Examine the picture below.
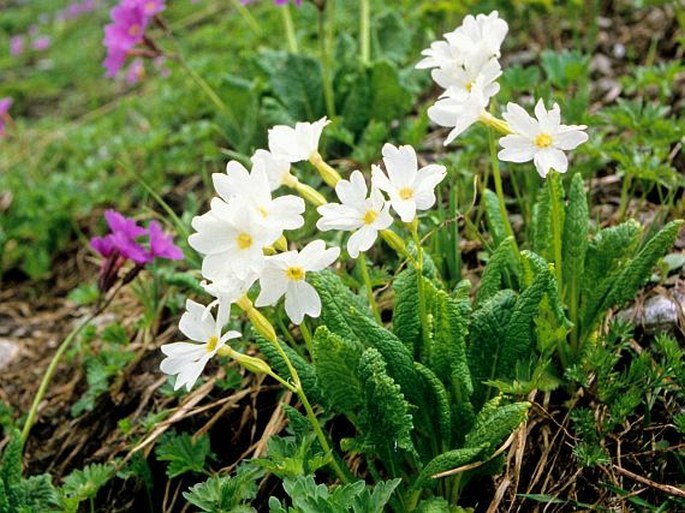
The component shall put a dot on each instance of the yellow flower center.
(211, 344)
(543, 141)
(244, 240)
(295, 273)
(134, 30)
(406, 193)
(469, 86)
(370, 216)
(263, 211)
(150, 6)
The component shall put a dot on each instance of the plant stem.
(423, 316)
(498, 186)
(247, 16)
(264, 327)
(49, 373)
(363, 268)
(556, 212)
(326, 66)
(365, 32)
(206, 88)
(307, 336)
(289, 28)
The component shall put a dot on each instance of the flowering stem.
(329, 175)
(498, 124)
(395, 242)
(47, 377)
(247, 16)
(326, 66)
(365, 31)
(307, 336)
(289, 28)
(418, 265)
(553, 183)
(498, 187)
(363, 268)
(206, 88)
(307, 192)
(264, 327)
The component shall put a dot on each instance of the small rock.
(659, 313)
(8, 351)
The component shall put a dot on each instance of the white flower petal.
(550, 158)
(361, 240)
(315, 257)
(301, 299)
(274, 284)
(401, 164)
(520, 122)
(569, 139)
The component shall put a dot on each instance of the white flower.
(285, 274)
(479, 36)
(440, 54)
(356, 213)
(543, 140)
(460, 79)
(482, 34)
(296, 144)
(232, 239)
(410, 188)
(277, 169)
(282, 213)
(187, 360)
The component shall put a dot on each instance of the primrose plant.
(421, 394)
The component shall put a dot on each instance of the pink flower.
(124, 243)
(41, 43)
(5, 105)
(129, 20)
(17, 45)
(136, 71)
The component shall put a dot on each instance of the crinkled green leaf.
(438, 405)
(496, 224)
(183, 454)
(226, 494)
(493, 425)
(501, 271)
(386, 421)
(448, 461)
(337, 361)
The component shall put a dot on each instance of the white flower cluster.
(466, 65)
(241, 234)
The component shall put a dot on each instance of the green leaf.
(496, 224)
(35, 494)
(391, 36)
(493, 425)
(342, 315)
(85, 484)
(603, 261)
(502, 270)
(448, 461)
(386, 421)
(575, 238)
(297, 83)
(305, 370)
(406, 323)
(337, 362)
(486, 334)
(519, 339)
(226, 494)
(437, 403)
(636, 273)
(183, 453)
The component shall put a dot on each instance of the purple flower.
(150, 7)
(41, 43)
(114, 61)
(5, 105)
(161, 245)
(136, 71)
(103, 245)
(16, 45)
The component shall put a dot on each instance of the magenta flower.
(129, 20)
(5, 105)
(17, 45)
(124, 243)
(136, 71)
(41, 43)
(161, 245)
